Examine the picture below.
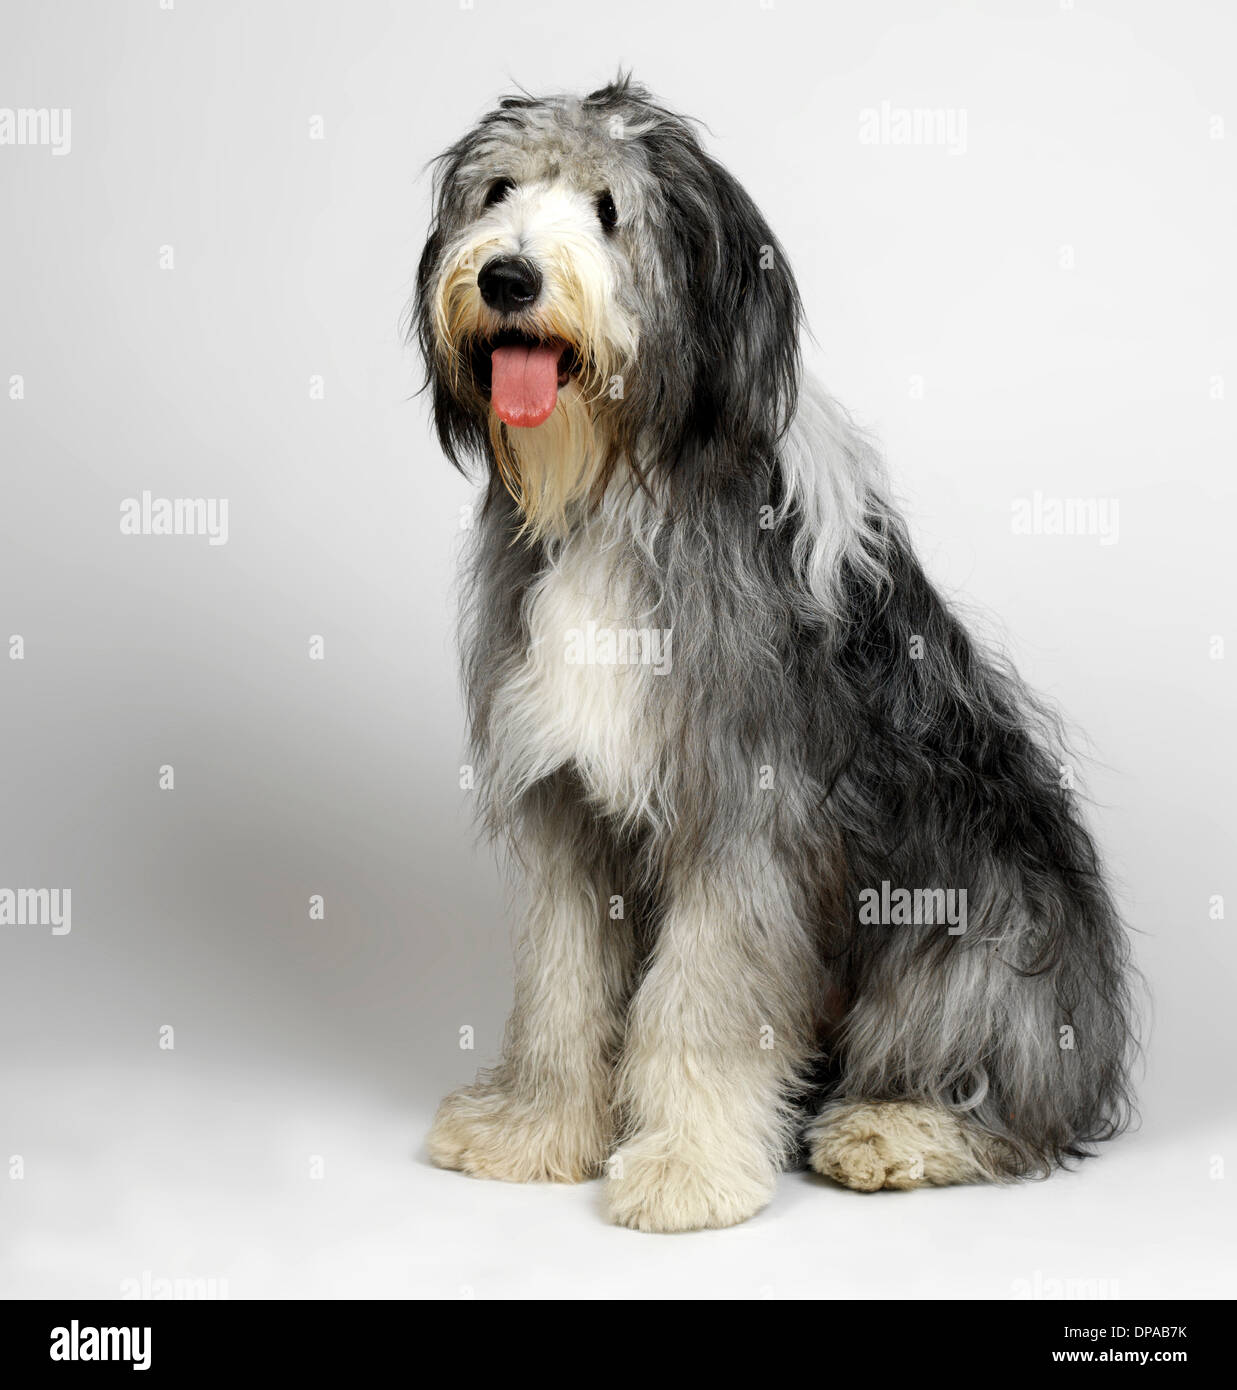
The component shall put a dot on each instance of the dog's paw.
(868, 1145)
(652, 1189)
(484, 1131)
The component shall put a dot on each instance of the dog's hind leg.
(968, 1058)
(544, 1113)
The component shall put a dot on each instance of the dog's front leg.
(718, 1033)
(544, 1113)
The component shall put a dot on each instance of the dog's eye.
(607, 213)
(497, 191)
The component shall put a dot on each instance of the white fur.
(899, 1144)
(715, 1039)
(545, 1113)
(551, 713)
(833, 479)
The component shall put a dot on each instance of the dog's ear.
(744, 320)
(459, 429)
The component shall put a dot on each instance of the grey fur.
(745, 514)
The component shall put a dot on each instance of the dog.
(804, 883)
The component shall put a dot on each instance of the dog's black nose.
(509, 283)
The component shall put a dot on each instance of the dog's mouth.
(522, 375)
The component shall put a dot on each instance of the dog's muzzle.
(524, 372)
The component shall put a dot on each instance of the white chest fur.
(583, 694)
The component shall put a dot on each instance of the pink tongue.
(524, 383)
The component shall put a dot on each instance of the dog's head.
(596, 289)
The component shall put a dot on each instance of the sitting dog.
(803, 878)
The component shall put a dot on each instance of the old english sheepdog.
(803, 880)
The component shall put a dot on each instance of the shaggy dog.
(803, 879)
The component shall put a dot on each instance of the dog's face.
(595, 288)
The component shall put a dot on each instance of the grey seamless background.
(946, 317)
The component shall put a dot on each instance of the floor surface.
(209, 1178)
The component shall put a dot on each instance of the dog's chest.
(585, 693)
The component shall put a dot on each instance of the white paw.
(484, 1131)
(652, 1189)
(899, 1144)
